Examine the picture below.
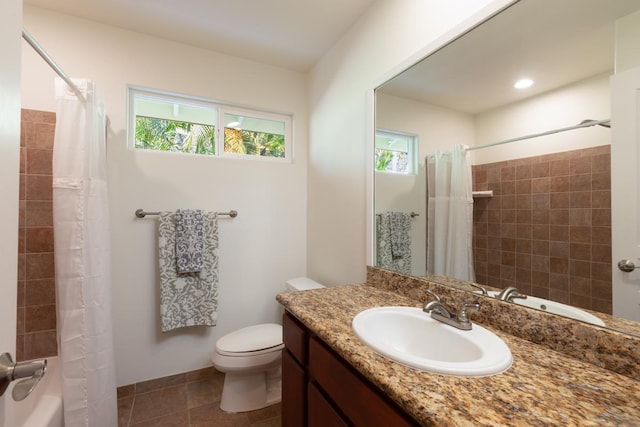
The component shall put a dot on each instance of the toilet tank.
(302, 284)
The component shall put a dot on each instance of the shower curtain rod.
(36, 46)
(583, 124)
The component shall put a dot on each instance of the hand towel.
(385, 257)
(189, 240)
(400, 223)
(189, 299)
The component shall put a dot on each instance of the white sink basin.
(556, 308)
(410, 336)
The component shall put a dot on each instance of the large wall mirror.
(539, 156)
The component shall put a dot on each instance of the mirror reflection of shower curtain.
(450, 214)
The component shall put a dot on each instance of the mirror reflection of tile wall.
(547, 229)
(36, 322)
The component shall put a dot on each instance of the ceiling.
(555, 43)
(292, 34)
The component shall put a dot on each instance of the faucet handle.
(463, 312)
(437, 307)
(516, 295)
(433, 294)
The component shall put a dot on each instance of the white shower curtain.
(450, 214)
(82, 258)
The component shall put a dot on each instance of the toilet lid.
(251, 339)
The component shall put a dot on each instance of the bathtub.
(43, 407)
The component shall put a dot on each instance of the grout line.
(133, 402)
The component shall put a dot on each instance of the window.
(175, 123)
(395, 152)
(246, 133)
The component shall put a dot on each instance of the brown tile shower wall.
(547, 229)
(36, 322)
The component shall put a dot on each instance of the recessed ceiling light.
(523, 84)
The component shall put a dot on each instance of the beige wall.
(564, 107)
(627, 46)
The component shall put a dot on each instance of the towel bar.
(412, 214)
(140, 213)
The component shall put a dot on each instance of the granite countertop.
(541, 388)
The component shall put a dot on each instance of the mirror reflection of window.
(396, 152)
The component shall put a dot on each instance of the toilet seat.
(251, 341)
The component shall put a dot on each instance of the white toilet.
(251, 360)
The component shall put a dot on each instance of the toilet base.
(248, 392)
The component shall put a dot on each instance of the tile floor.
(185, 400)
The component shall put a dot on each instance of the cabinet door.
(355, 397)
(321, 413)
(294, 392)
(295, 338)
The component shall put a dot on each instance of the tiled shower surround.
(547, 228)
(36, 322)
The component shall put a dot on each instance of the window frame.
(220, 109)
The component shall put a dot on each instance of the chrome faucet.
(481, 288)
(440, 312)
(30, 372)
(509, 294)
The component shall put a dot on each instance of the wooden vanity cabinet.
(320, 389)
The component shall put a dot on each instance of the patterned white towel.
(399, 225)
(189, 299)
(189, 240)
(386, 258)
